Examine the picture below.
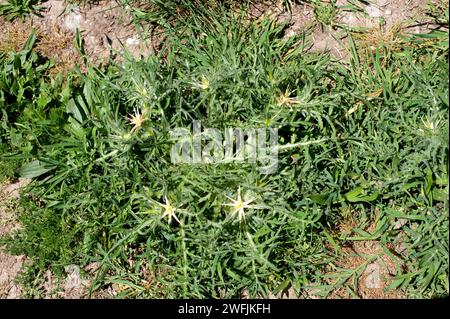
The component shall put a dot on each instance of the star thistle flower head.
(169, 211)
(204, 85)
(285, 99)
(137, 119)
(239, 206)
(430, 127)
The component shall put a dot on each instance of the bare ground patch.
(379, 16)
(105, 27)
(377, 270)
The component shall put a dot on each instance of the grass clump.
(13, 9)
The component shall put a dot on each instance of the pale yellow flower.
(137, 119)
(169, 211)
(203, 84)
(429, 126)
(239, 205)
(285, 99)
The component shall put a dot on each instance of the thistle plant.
(90, 167)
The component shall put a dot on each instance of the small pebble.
(373, 12)
(132, 41)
